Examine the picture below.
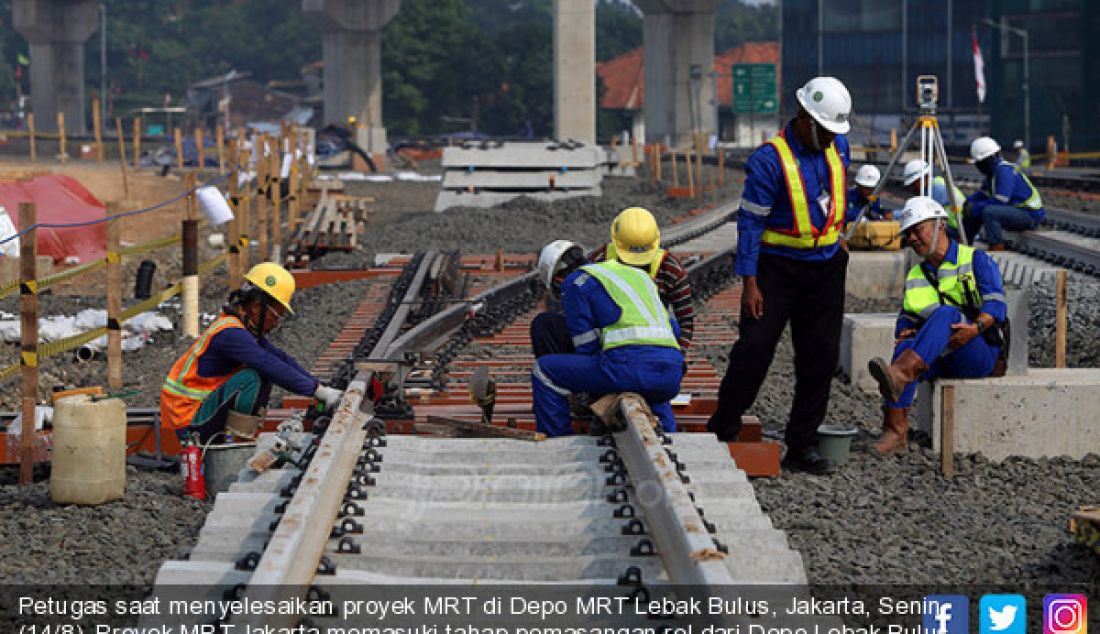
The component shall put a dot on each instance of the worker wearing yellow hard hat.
(224, 379)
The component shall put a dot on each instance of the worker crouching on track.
(635, 240)
(951, 322)
(1007, 199)
(623, 336)
(226, 374)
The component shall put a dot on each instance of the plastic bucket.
(834, 442)
(89, 450)
(222, 465)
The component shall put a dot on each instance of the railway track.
(631, 511)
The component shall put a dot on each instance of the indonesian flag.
(979, 66)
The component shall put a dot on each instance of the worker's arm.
(237, 346)
(579, 315)
(275, 350)
(990, 287)
(763, 177)
(1006, 183)
(678, 296)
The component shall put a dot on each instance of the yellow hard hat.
(352, 120)
(635, 235)
(274, 280)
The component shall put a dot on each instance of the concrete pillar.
(352, 42)
(575, 70)
(56, 31)
(679, 34)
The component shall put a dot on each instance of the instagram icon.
(1065, 614)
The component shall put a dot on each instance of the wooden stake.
(179, 149)
(137, 142)
(97, 126)
(30, 130)
(657, 156)
(675, 170)
(1060, 320)
(122, 157)
(201, 149)
(699, 163)
(947, 431)
(28, 314)
(264, 182)
(633, 152)
(691, 174)
(721, 168)
(63, 155)
(294, 203)
(276, 194)
(219, 140)
(114, 295)
(234, 228)
(244, 210)
(651, 163)
(190, 295)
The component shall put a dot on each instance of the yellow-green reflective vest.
(1033, 202)
(953, 210)
(644, 320)
(803, 234)
(955, 283)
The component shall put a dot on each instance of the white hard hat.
(918, 209)
(867, 176)
(982, 148)
(828, 102)
(1017, 144)
(913, 170)
(552, 259)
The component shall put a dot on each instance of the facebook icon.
(946, 614)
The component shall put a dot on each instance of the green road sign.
(754, 89)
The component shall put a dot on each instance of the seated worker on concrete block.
(951, 322)
(635, 240)
(916, 174)
(226, 374)
(1006, 200)
(859, 196)
(623, 337)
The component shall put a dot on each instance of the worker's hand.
(844, 243)
(905, 334)
(752, 300)
(962, 335)
(328, 395)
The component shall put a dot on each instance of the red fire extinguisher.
(194, 484)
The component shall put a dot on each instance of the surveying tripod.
(931, 147)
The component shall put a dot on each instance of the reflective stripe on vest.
(644, 320)
(654, 265)
(184, 390)
(1034, 202)
(803, 234)
(955, 281)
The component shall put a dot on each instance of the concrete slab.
(525, 155)
(863, 337)
(877, 274)
(534, 179)
(1047, 412)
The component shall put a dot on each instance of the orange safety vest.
(803, 234)
(184, 390)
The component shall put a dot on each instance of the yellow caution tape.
(8, 372)
(113, 258)
(29, 358)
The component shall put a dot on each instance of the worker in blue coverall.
(1006, 200)
(952, 318)
(623, 337)
(860, 196)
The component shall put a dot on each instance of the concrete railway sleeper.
(635, 511)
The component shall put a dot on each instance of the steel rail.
(1048, 247)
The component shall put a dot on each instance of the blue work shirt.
(589, 308)
(233, 347)
(1012, 189)
(856, 202)
(765, 201)
(990, 287)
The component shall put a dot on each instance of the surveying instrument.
(931, 151)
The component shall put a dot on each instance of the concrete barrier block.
(863, 337)
(877, 274)
(1044, 413)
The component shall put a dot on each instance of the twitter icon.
(1003, 614)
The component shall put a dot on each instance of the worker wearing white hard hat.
(952, 318)
(916, 174)
(1007, 198)
(623, 337)
(789, 256)
(1022, 157)
(860, 196)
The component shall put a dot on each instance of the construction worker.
(226, 374)
(951, 319)
(792, 268)
(1006, 200)
(860, 196)
(624, 338)
(916, 174)
(635, 240)
(1023, 157)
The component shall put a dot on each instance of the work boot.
(894, 377)
(996, 247)
(895, 431)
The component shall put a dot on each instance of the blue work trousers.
(550, 335)
(652, 372)
(974, 360)
(995, 218)
(245, 392)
